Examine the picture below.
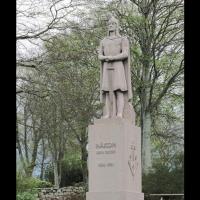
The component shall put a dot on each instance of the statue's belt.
(110, 68)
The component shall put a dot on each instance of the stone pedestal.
(114, 160)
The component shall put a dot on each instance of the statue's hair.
(113, 19)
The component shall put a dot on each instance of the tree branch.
(167, 86)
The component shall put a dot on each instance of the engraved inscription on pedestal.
(133, 159)
(107, 148)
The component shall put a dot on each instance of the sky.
(34, 16)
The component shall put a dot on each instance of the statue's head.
(113, 25)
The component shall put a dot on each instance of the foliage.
(26, 183)
(71, 171)
(164, 179)
(26, 195)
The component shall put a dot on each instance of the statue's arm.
(124, 54)
(101, 54)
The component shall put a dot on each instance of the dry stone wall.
(65, 193)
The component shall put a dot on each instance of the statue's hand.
(105, 58)
(101, 57)
(108, 58)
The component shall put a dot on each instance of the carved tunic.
(113, 77)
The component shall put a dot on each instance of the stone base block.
(114, 156)
(122, 195)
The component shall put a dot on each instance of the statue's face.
(112, 26)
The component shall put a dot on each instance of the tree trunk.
(145, 111)
(25, 135)
(146, 143)
(56, 175)
(43, 159)
(84, 163)
(32, 164)
(59, 172)
(20, 151)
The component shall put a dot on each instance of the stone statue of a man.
(115, 80)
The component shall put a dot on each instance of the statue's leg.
(107, 106)
(114, 104)
(120, 104)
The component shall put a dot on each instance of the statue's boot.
(119, 115)
(105, 117)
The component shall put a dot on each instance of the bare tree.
(29, 135)
(155, 30)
